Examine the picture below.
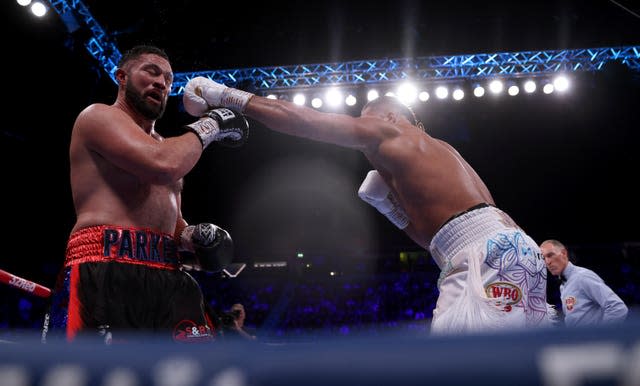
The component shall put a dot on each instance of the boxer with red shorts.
(127, 251)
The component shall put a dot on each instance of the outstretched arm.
(300, 121)
(202, 94)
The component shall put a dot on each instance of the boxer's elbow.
(163, 171)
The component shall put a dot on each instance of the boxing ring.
(607, 355)
(545, 356)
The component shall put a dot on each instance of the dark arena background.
(335, 293)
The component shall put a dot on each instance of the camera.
(229, 318)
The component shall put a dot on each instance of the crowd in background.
(296, 303)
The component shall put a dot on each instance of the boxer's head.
(384, 105)
(145, 77)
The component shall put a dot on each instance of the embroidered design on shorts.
(515, 256)
(570, 302)
(506, 294)
(188, 332)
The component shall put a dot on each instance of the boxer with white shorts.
(419, 183)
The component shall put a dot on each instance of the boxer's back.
(430, 178)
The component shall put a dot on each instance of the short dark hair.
(137, 51)
(395, 105)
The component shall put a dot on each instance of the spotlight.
(351, 100)
(24, 3)
(442, 92)
(334, 97)
(458, 94)
(496, 86)
(372, 94)
(316, 102)
(561, 83)
(478, 91)
(407, 93)
(529, 86)
(38, 9)
(299, 99)
(423, 96)
(548, 88)
(513, 90)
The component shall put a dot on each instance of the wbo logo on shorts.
(507, 294)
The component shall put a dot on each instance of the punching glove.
(211, 246)
(224, 126)
(201, 94)
(375, 192)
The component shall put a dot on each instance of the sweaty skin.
(122, 171)
(430, 179)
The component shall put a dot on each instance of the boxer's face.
(148, 85)
(555, 258)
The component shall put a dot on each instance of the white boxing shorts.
(493, 276)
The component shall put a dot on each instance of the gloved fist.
(200, 94)
(212, 246)
(225, 126)
(193, 98)
(375, 192)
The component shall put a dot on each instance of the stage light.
(272, 96)
(458, 94)
(334, 97)
(442, 92)
(548, 88)
(496, 86)
(513, 90)
(24, 3)
(38, 9)
(407, 93)
(299, 99)
(423, 96)
(390, 94)
(372, 94)
(561, 83)
(350, 100)
(316, 102)
(478, 91)
(529, 86)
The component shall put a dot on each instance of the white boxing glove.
(201, 94)
(193, 101)
(375, 192)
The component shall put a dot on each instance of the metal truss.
(429, 68)
(99, 45)
(373, 71)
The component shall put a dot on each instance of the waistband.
(104, 243)
(464, 229)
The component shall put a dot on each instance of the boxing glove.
(224, 126)
(212, 247)
(201, 94)
(375, 192)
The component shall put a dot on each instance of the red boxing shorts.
(126, 279)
